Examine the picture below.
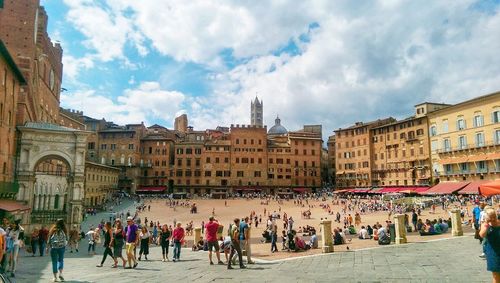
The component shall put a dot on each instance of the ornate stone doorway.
(51, 165)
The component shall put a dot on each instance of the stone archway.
(51, 166)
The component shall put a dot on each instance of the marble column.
(399, 221)
(456, 223)
(196, 235)
(326, 236)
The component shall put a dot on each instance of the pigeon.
(347, 247)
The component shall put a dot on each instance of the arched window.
(56, 202)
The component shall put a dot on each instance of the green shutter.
(1, 4)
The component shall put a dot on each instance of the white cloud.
(146, 103)
(366, 63)
(366, 60)
(73, 66)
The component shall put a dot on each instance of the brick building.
(331, 160)
(353, 149)
(24, 32)
(11, 85)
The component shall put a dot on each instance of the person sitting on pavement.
(428, 229)
(443, 225)
(383, 236)
(370, 231)
(337, 238)
(199, 245)
(313, 242)
(437, 227)
(300, 244)
(363, 233)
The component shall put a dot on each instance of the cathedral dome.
(277, 129)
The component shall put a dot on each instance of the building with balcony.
(465, 140)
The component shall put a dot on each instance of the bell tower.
(256, 112)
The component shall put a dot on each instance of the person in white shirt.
(363, 233)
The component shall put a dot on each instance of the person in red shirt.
(178, 236)
(211, 236)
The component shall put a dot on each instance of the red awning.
(300, 190)
(490, 189)
(151, 189)
(360, 190)
(12, 205)
(388, 190)
(446, 188)
(472, 188)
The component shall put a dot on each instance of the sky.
(312, 62)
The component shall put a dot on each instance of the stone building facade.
(465, 140)
(101, 181)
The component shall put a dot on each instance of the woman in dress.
(57, 243)
(490, 230)
(118, 241)
(108, 238)
(145, 237)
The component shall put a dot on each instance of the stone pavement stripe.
(437, 261)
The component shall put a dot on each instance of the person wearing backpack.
(57, 243)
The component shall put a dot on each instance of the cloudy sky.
(312, 62)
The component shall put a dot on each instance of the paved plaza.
(450, 260)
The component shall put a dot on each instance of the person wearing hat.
(131, 241)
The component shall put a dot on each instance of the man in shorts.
(132, 238)
(211, 236)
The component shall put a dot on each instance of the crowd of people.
(127, 244)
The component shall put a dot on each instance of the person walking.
(42, 239)
(274, 239)
(235, 244)
(74, 239)
(34, 241)
(145, 237)
(108, 237)
(91, 236)
(131, 238)
(57, 242)
(178, 236)
(165, 236)
(118, 241)
(211, 236)
(15, 238)
(490, 231)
